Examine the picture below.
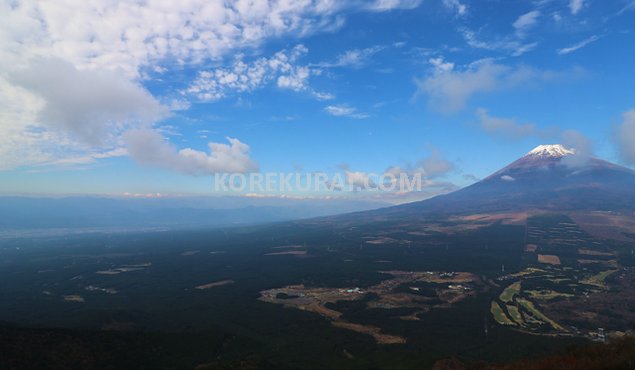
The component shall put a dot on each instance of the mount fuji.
(550, 177)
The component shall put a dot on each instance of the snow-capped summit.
(541, 157)
(555, 151)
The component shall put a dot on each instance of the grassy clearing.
(547, 295)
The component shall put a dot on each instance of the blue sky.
(123, 97)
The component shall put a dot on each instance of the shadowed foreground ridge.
(67, 349)
(617, 355)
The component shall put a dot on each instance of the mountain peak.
(554, 151)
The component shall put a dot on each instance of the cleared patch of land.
(372, 331)
(292, 253)
(549, 259)
(383, 240)
(125, 268)
(395, 292)
(293, 246)
(606, 225)
(489, 218)
(189, 253)
(74, 298)
(591, 252)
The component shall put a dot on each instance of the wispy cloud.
(91, 158)
(628, 7)
(457, 6)
(525, 22)
(323, 95)
(385, 5)
(510, 129)
(575, 6)
(506, 127)
(354, 58)
(345, 111)
(449, 88)
(624, 137)
(512, 44)
(578, 46)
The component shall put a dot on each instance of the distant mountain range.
(27, 213)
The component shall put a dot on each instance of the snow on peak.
(555, 151)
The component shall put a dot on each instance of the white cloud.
(92, 107)
(296, 80)
(107, 47)
(625, 137)
(435, 165)
(427, 170)
(127, 36)
(359, 180)
(431, 167)
(526, 21)
(456, 5)
(575, 6)
(148, 147)
(581, 145)
(130, 35)
(577, 46)
(51, 113)
(506, 127)
(507, 178)
(448, 89)
(441, 65)
(242, 77)
(345, 111)
(21, 142)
